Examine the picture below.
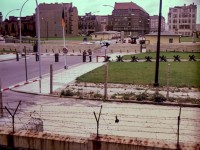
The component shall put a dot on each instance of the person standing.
(84, 56)
(90, 55)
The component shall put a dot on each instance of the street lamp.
(156, 84)
(20, 39)
(46, 28)
(10, 12)
(38, 36)
(109, 6)
(7, 15)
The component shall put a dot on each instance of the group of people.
(89, 54)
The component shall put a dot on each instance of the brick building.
(182, 19)
(130, 18)
(11, 26)
(154, 23)
(51, 16)
(89, 23)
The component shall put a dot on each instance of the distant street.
(13, 72)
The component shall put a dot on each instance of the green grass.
(169, 55)
(72, 38)
(183, 74)
(188, 39)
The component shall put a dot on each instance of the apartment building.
(182, 19)
(130, 18)
(1, 20)
(88, 24)
(11, 26)
(154, 23)
(103, 21)
(51, 16)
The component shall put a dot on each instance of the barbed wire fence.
(133, 121)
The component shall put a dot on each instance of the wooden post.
(97, 120)
(168, 78)
(51, 79)
(179, 120)
(1, 101)
(106, 82)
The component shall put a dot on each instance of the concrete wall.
(181, 47)
(76, 47)
(103, 36)
(46, 141)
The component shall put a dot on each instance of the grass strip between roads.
(183, 74)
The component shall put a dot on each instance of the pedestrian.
(90, 55)
(84, 56)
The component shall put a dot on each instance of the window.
(170, 40)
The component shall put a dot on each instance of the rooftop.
(164, 33)
(128, 5)
(107, 32)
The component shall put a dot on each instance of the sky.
(85, 6)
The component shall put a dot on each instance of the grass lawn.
(183, 74)
(188, 39)
(169, 55)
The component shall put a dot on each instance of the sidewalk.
(61, 77)
(7, 57)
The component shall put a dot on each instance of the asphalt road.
(13, 72)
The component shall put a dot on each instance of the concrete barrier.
(76, 47)
(46, 141)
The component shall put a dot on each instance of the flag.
(63, 19)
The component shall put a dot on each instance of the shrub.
(141, 97)
(66, 93)
(158, 97)
(97, 95)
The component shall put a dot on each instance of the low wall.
(76, 47)
(46, 141)
(181, 47)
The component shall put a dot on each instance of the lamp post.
(156, 84)
(20, 38)
(38, 36)
(47, 30)
(109, 6)
(9, 13)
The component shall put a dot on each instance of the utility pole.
(156, 84)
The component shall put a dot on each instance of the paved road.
(13, 72)
(75, 117)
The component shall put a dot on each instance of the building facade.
(1, 20)
(105, 35)
(182, 19)
(11, 26)
(166, 37)
(88, 24)
(130, 18)
(51, 16)
(154, 23)
(103, 21)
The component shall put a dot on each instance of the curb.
(18, 85)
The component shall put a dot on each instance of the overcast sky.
(84, 6)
